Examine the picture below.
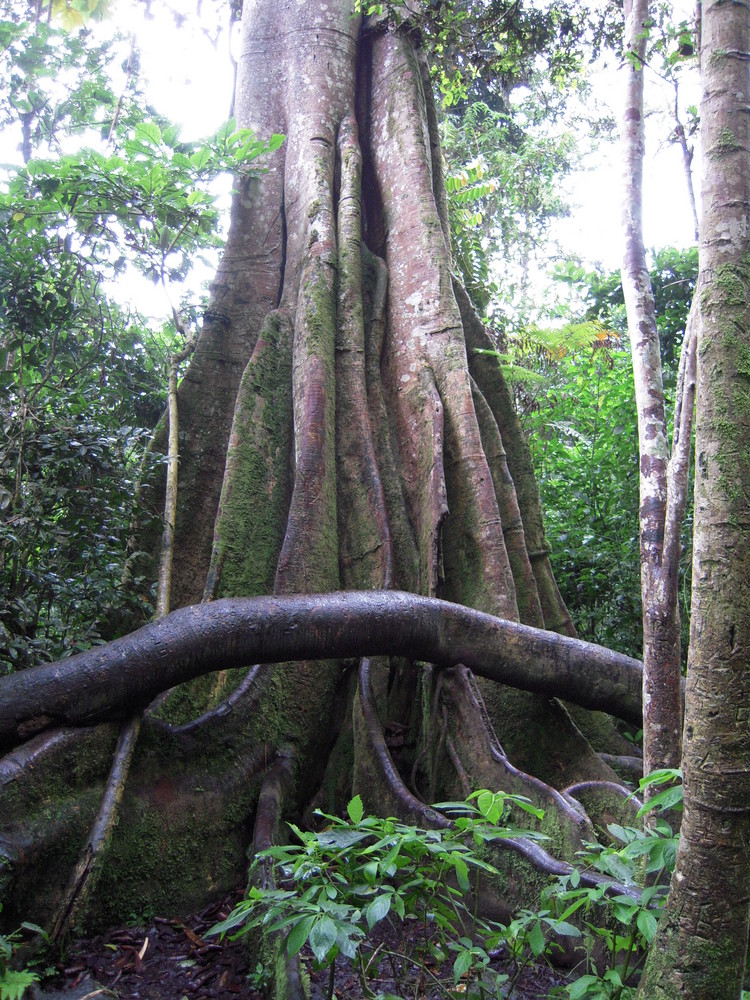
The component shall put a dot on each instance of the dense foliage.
(107, 189)
(581, 420)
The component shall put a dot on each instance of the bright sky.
(201, 102)
(190, 74)
(593, 231)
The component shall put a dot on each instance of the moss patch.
(255, 497)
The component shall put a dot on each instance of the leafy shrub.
(333, 888)
(339, 884)
(618, 929)
(15, 982)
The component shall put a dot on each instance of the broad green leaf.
(322, 938)
(670, 798)
(566, 929)
(355, 809)
(579, 989)
(148, 132)
(298, 935)
(201, 158)
(647, 924)
(461, 965)
(536, 939)
(377, 910)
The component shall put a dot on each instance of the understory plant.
(15, 982)
(617, 929)
(336, 887)
(333, 889)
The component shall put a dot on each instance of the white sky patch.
(188, 73)
(593, 231)
(190, 80)
(188, 77)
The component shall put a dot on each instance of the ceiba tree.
(340, 428)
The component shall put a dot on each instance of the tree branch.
(125, 675)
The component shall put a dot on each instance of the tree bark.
(108, 680)
(662, 707)
(701, 945)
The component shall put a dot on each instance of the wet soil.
(175, 959)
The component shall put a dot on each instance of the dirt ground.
(173, 959)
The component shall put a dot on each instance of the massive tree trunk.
(338, 430)
(701, 944)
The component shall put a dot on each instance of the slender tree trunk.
(701, 944)
(662, 709)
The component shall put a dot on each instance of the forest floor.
(173, 959)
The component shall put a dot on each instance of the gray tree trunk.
(701, 945)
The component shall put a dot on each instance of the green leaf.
(355, 809)
(670, 798)
(462, 965)
(323, 938)
(579, 989)
(343, 837)
(536, 939)
(462, 874)
(647, 924)
(298, 935)
(14, 984)
(377, 910)
(201, 158)
(566, 929)
(148, 132)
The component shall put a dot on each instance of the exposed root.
(472, 732)
(463, 776)
(245, 692)
(104, 680)
(227, 633)
(84, 876)
(543, 861)
(606, 802)
(273, 792)
(399, 799)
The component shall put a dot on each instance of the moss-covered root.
(84, 877)
(366, 555)
(270, 948)
(255, 494)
